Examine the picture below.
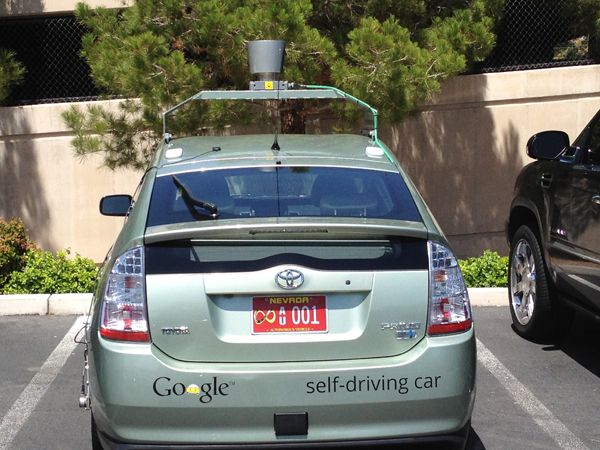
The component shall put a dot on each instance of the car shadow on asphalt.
(582, 343)
(474, 442)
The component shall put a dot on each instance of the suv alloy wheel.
(530, 298)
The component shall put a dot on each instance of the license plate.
(289, 314)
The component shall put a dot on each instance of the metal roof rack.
(293, 92)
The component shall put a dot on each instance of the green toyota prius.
(282, 291)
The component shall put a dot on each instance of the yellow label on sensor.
(268, 85)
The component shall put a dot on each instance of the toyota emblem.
(289, 279)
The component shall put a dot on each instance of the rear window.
(399, 253)
(280, 192)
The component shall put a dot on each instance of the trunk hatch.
(243, 301)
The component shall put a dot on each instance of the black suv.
(554, 233)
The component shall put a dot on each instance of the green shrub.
(45, 273)
(11, 73)
(14, 245)
(488, 270)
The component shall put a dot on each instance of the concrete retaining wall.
(463, 151)
(40, 7)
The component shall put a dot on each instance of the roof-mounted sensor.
(265, 58)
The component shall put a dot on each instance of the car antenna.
(275, 146)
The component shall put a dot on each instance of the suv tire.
(529, 290)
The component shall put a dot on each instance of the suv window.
(589, 142)
(281, 192)
(593, 156)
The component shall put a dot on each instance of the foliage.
(393, 54)
(14, 245)
(488, 270)
(163, 52)
(337, 19)
(46, 273)
(11, 73)
(554, 30)
(582, 17)
(396, 53)
(391, 67)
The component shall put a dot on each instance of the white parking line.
(22, 408)
(529, 402)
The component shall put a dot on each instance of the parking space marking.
(528, 401)
(22, 408)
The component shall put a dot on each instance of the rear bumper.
(453, 441)
(143, 399)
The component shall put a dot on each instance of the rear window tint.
(280, 192)
(214, 257)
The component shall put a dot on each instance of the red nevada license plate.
(289, 314)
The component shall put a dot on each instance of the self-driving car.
(278, 291)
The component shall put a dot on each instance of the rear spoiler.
(324, 229)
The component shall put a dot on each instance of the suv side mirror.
(115, 205)
(547, 144)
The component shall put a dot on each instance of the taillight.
(123, 315)
(449, 306)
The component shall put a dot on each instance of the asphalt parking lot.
(529, 395)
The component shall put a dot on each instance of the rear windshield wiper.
(192, 202)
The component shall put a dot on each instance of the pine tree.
(11, 73)
(155, 54)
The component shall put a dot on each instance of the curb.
(60, 304)
(488, 296)
(69, 304)
(42, 304)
